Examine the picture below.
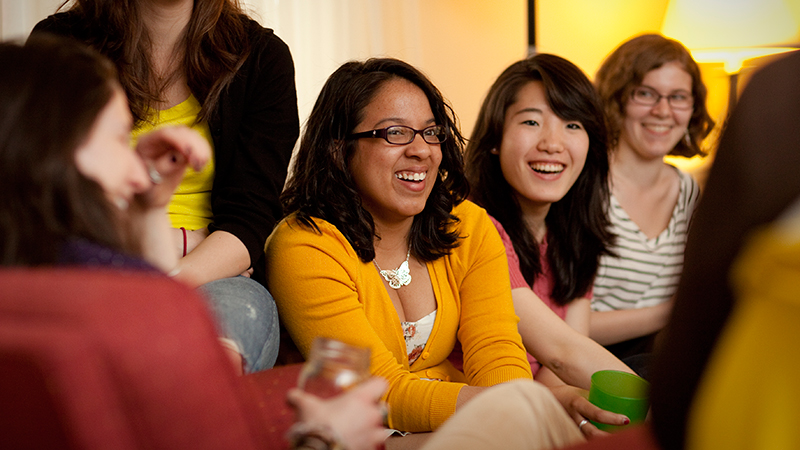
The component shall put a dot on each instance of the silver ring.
(384, 408)
(583, 422)
(155, 177)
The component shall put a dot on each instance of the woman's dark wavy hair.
(577, 224)
(321, 185)
(625, 68)
(51, 93)
(215, 45)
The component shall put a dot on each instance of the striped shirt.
(646, 271)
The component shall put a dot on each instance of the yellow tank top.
(190, 206)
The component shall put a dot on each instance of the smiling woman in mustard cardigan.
(380, 249)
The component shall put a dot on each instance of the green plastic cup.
(621, 393)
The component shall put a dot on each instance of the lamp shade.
(731, 31)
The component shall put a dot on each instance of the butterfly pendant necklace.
(399, 277)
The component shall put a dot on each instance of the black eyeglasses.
(402, 135)
(649, 97)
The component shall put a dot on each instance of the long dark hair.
(322, 186)
(51, 92)
(215, 45)
(577, 224)
(625, 68)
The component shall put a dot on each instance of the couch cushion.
(134, 355)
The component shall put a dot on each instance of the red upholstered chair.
(638, 437)
(100, 359)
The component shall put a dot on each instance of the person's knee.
(526, 388)
(516, 414)
(242, 296)
(527, 399)
(247, 315)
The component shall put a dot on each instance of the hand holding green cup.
(621, 393)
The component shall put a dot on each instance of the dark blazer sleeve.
(66, 24)
(254, 130)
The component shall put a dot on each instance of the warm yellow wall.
(586, 31)
(466, 44)
(463, 45)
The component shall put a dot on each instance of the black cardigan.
(254, 128)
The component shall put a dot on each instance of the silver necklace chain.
(399, 277)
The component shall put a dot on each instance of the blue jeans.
(246, 314)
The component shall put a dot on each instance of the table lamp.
(731, 31)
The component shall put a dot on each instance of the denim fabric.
(246, 314)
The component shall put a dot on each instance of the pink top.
(542, 284)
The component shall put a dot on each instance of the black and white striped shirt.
(646, 271)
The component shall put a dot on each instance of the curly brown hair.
(322, 186)
(625, 68)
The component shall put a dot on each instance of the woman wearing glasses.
(380, 249)
(655, 101)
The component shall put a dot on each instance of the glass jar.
(333, 367)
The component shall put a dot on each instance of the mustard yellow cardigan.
(322, 288)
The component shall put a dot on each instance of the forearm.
(580, 359)
(156, 238)
(220, 255)
(547, 377)
(188, 240)
(578, 313)
(611, 327)
(570, 355)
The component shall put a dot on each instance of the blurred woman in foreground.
(74, 191)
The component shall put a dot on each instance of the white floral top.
(417, 334)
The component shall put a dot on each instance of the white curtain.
(17, 17)
(462, 45)
(323, 34)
